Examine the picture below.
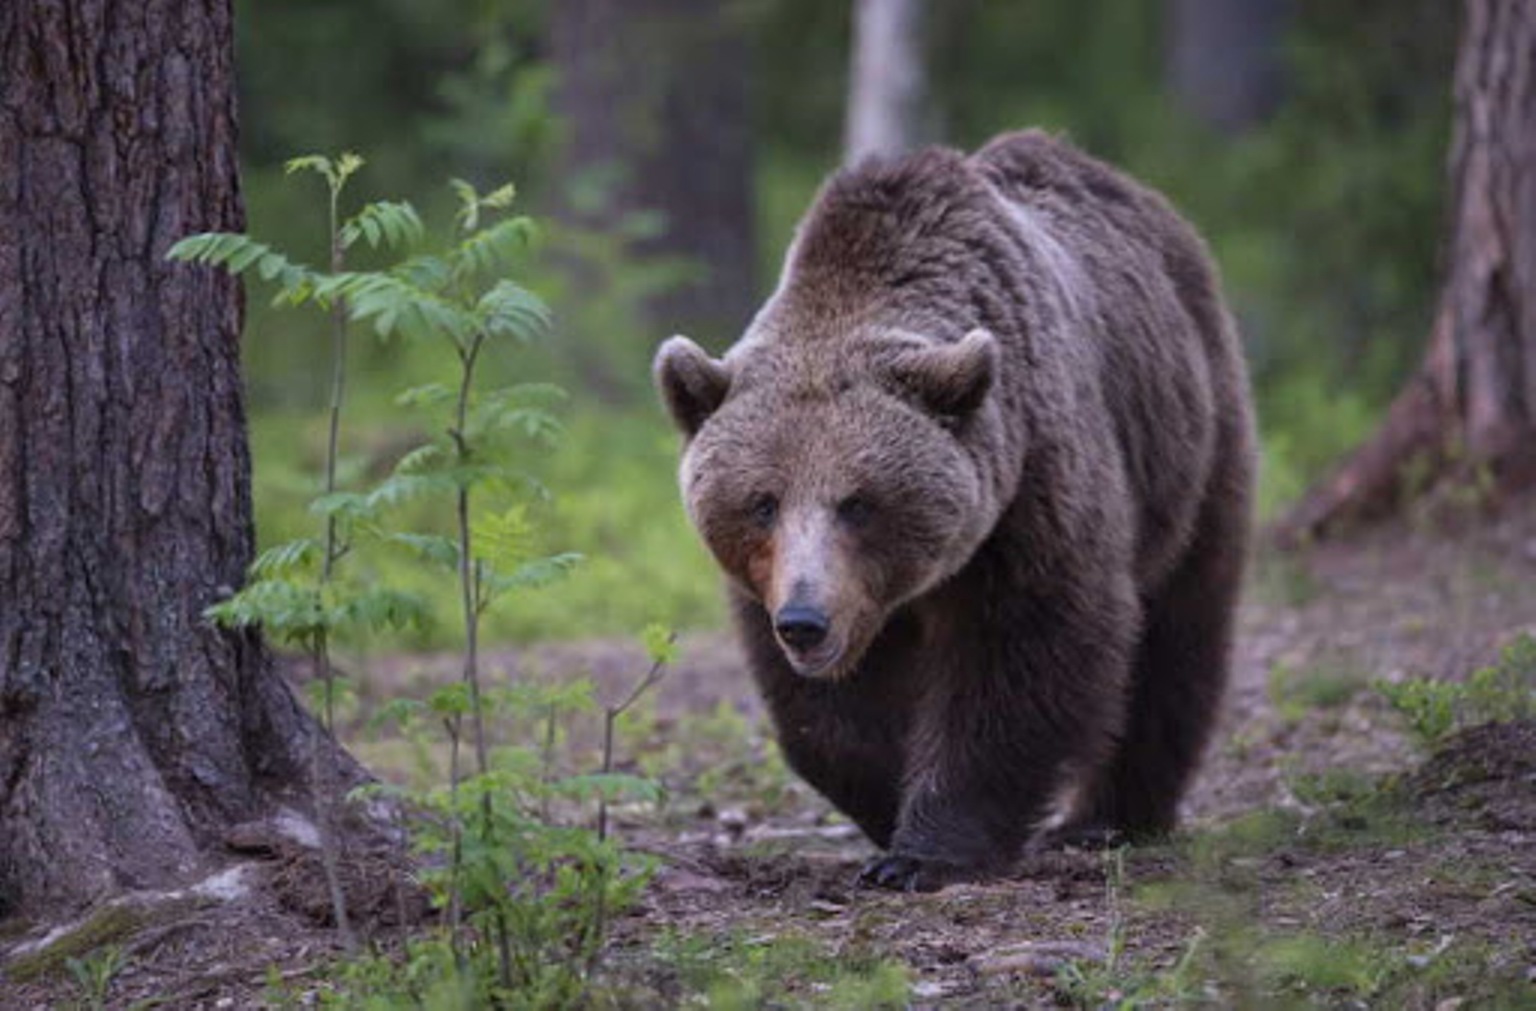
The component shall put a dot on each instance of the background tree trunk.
(131, 731)
(1224, 59)
(654, 96)
(1472, 403)
(887, 79)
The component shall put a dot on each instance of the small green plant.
(94, 973)
(1327, 968)
(1328, 683)
(527, 893)
(1116, 981)
(1499, 693)
(294, 591)
(736, 970)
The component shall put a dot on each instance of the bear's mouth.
(819, 662)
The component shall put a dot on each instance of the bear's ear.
(951, 379)
(691, 383)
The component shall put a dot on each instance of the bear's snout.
(801, 628)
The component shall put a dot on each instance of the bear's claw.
(906, 874)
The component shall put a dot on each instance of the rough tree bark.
(131, 732)
(887, 80)
(1472, 403)
(658, 91)
(1223, 59)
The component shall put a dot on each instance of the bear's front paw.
(1088, 836)
(912, 874)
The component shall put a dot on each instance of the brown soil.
(1283, 840)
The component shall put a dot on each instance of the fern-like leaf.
(237, 253)
(435, 548)
(285, 560)
(510, 310)
(381, 607)
(531, 575)
(335, 171)
(490, 250)
(504, 540)
(386, 222)
(287, 610)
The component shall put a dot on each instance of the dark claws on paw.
(906, 874)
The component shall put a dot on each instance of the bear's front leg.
(1003, 725)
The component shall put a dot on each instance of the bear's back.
(1172, 377)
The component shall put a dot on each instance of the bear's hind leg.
(1177, 682)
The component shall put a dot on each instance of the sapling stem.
(324, 770)
(469, 588)
(611, 716)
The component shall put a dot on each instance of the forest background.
(1305, 139)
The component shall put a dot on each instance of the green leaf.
(289, 611)
(420, 460)
(284, 560)
(450, 699)
(403, 487)
(336, 172)
(429, 273)
(512, 311)
(660, 643)
(316, 163)
(343, 505)
(399, 712)
(343, 692)
(236, 253)
(609, 786)
(533, 423)
(500, 198)
(427, 395)
(491, 250)
(384, 222)
(469, 204)
(382, 607)
(535, 574)
(433, 547)
(503, 539)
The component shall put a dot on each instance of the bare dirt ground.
(1325, 860)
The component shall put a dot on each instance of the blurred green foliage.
(1325, 220)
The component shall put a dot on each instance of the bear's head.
(834, 481)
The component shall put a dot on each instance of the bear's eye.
(855, 511)
(764, 509)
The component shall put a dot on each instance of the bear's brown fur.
(979, 473)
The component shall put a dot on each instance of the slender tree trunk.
(654, 95)
(1472, 403)
(887, 79)
(131, 731)
(1224, 59)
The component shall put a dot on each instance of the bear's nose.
(801, 628)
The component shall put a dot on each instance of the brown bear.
(979, 475)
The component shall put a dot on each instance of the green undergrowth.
(612, 498)
(1325, 684)
(742, 970)
(1246, 907)
(1501, 692)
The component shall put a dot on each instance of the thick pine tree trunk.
(1472, 404)
(887, 79)
(131, 731)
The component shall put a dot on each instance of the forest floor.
(1328, 858)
